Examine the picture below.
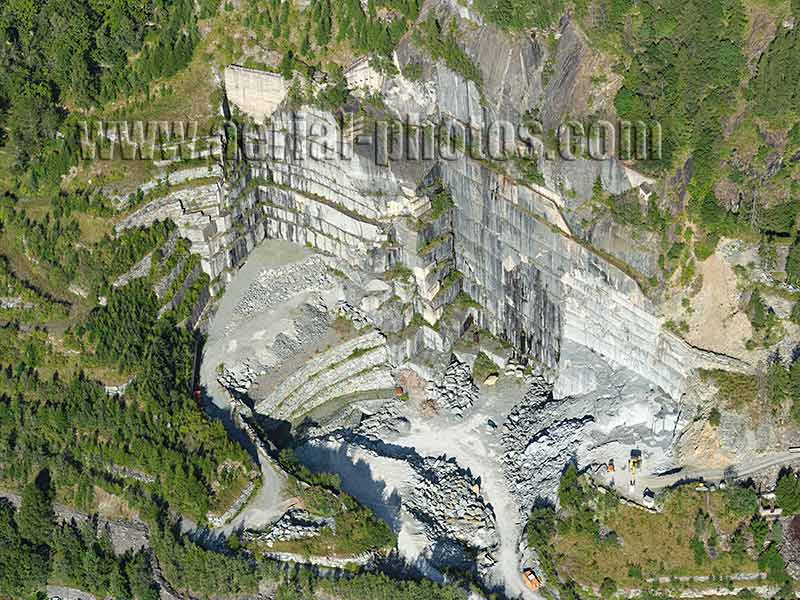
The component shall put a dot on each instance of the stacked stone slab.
(332, 167)
(536, 435)
(298, 218)
(447, 500)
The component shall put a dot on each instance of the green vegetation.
(683, 75)
(73, 54)
(787, 493)
(55, 243)
(322, 38)
(684, 68)
(521, 14)
(528, 166)
(289, 461)
(766, 325)
(441, 201)
(399, 271)
(33, 306)
(777, 388)
(441, 40)
(483, 367)
(357, 528)
(775, 89)
(119, 331)
(742, 501)
(83, 558)
(35, 550)
(593, 541)
(63, 423)
(734, 389)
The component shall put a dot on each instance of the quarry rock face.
(504, 243)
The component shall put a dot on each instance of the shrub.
(483, 367)
(759, 530)
(734, 389)
(608, 588)
(741, 500)
(795, 316)
(787, 493)
(770, 561)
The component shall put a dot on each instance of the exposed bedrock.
(218, 218)
(295, 524)
(541, 287)
(257, 93)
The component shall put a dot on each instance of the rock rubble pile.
(274, 286)
(295, 524)
(447, 501)
(539, 437)
(457, 392)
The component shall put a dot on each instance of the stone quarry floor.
(235, 338)
(616, 399)
(475, 445)
(243, 331)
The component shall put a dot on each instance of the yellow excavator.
(634, 464)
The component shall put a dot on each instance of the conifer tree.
(35, 517)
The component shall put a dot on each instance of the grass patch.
(398, 271)
(357, 528)
(680, 541)
(734, 389)
(483, 367)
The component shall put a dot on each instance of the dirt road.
(739, 470)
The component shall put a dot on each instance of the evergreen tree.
(23, 567)
(787, 493)
(36, 518)
(305, 47)
(287, 65)
(793, 264)
(322, 33)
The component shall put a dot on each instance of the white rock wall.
(541, 287)
(256, 93)
(298, 218)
